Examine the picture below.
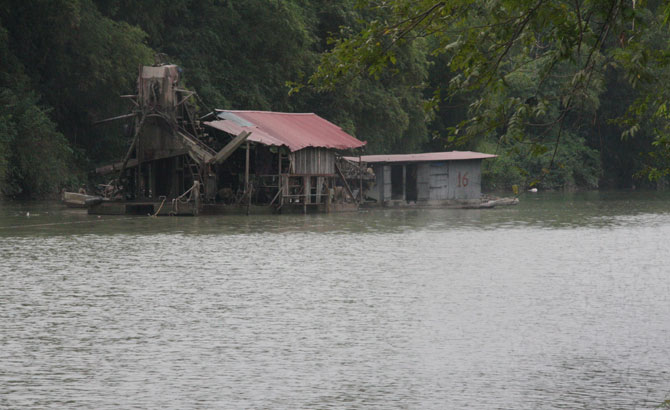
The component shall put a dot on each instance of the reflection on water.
(562, 301)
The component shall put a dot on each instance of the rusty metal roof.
(294, 130)
(428, 156)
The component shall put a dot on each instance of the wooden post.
(247, 192)
(345, 183)
(329, 183)
(379, 180)
(319, 190)
(285, 180)
(174, 189)
(360, 185)
(140, 181)
(279, 178)
(304, 191)
(279, 153)
(246, 170)
(196, 197)
(307, 184)
(249, 200)
(133, 146)
(404, 182)
(150, 178)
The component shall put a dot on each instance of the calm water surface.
(560, 302)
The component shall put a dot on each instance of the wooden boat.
(77, 200)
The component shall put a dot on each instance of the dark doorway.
(397, 183)
(410, 182)
(163, 174)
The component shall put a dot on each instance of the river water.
(560, 302)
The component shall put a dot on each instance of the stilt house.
(289, 157)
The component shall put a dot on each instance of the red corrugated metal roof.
(296, 131)
(428, 156)
(257, 135)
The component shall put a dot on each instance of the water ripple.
(388, 309)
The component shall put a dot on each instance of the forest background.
(569, 94)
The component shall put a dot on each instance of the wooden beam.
(344, 180)
(106, 169)
(228, 150)
(186, 97)
(201, 153)
(138, 128)
(120, 117)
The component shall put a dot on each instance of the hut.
(290, 159)
(429, 179)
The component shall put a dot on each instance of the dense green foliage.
(549, 85)
(535, 78)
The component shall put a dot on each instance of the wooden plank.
(344, 180)
(120, 117)
(201, 153)
(133, 145)
(160, 154)
(107, 169)
(228, 150)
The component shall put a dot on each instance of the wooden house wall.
(314, 161)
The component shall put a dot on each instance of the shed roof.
(294, 130)
(428, 156)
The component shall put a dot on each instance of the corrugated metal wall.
(465, 179)
(423, 181)
(314, 161)
(455, 179)
(387, 182)
(437, 181)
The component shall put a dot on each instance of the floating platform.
(77, 200)
(483, 203)
(160, 208)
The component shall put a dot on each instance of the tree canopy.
(532, 73)
(569, 93)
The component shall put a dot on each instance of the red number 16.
(463, 180)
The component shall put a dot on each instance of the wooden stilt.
(360, 185)
(247, 191)
(246, 170)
